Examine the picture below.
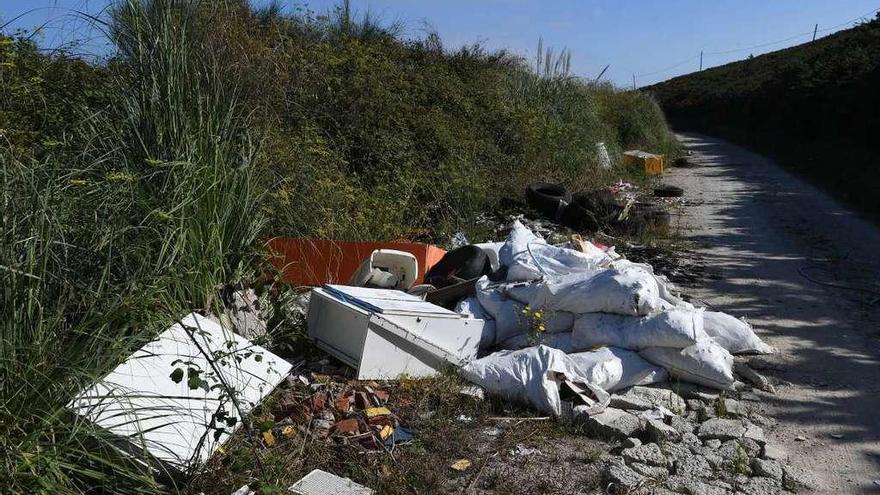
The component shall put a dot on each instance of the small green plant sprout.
(535, 319)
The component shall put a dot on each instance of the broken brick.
(343, 404)
(347, 426)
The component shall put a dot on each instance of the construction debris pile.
(334, 409)
(572, 314)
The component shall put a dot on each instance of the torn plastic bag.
(560, 340)
(734, 334)
(613, 368)
(529, 257)
(623, 291)
(677, 328)
(471, 306)
(704, 363)
(534, 376)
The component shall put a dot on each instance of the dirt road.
(778, 245)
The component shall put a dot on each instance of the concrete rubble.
(724, 454)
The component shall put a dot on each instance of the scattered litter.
(339, 412)
(522, 451)
(398, 436)
(461, 465)
(269, 438)
(465, 418)
(602, 156)
(245, 490)
(800, 438)
(836, 435)
(373, 412)
(174, 415)
(321, 482)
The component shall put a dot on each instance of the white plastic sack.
(704, 363)
(668, 299)
(534, 376)
(471, 306)
(492, 250)
(561, 341)
(677, 328)
(613, 368)
(508, 314)
(734, 334)
(511, 320)
(529, 257)
(623, 291)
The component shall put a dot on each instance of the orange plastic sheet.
(315, 262)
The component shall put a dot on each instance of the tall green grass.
(156, 210)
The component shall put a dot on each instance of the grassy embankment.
(814, 107)
(134, 189)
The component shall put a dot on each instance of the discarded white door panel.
(171, 421)
(386, 333)
(323, 483)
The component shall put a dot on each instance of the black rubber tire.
(466, 262)
(545, 197)
(682, 162)
(668, 192)
(588, 211)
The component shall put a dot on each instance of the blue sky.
(654, 40)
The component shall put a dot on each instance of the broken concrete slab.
(755, 433)
(722, 429)
(767, 469)
(660, 432)
(675, 451)
(693, 467)
(611, 423)
(644, 398)
(622, 477)
(760, 486)
(649, 454)
(684, 484)
(774, 452)
(653, 472)
(320, 482)
(180, 396)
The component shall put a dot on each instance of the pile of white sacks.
(608, 324)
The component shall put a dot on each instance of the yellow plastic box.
(653, 164)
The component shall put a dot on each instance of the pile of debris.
(704, 442)
(334, 409)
